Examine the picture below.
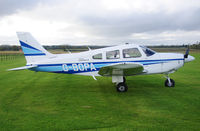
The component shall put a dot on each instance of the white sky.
(101, 22)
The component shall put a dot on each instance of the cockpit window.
(131, 53)
(148, 51)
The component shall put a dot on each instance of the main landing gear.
(169, 82)
(122, 87)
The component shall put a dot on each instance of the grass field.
(47, 101)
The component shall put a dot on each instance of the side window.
(97, 56)
(131, 53)
(112, 54)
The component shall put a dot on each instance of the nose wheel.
(169, 82)
(122, 87)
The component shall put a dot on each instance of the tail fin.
(33, 51)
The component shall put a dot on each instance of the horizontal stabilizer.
(22, 68)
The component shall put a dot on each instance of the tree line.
(85, 47)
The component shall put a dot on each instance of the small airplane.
(116, 62)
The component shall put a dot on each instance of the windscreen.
(148, 51)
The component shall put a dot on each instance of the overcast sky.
(101, 22)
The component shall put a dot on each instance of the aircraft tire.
(167, 84)
(122, 87)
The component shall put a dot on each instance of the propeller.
(187, 52)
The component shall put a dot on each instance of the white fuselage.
(85, 63)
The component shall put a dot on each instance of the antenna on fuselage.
(187, 52)
(88, 48)
(68, 51)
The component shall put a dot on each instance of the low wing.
(122, 69)
(22, 68)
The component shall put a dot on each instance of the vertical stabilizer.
(33, 51)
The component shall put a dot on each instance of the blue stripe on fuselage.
(113, 62)
(58, 68)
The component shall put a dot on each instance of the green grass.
(47, 101)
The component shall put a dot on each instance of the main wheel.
(170, 84)
(122, 87)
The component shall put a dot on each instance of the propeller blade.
(187, 52)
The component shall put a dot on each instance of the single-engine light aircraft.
(116, 62)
